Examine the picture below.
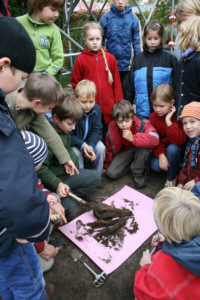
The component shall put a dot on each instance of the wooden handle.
(76, 198)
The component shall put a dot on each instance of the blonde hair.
(163, 92)
(190, 33)
(177, 214)
(93, 25)
(45, 87)
(188, 7)
(87, 88)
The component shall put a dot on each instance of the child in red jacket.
(169, 152)
(99, 66)
(173, 272)
(129, 143)
(190, 173)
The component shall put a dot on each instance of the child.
(122, 35)
(185, 9)
(174, 271)
(128, 144)
(40, 94)
(96, 64)
(190, 173)
(22, 204)
(151, 67)
(44, 34)
(85, 139)
(188, 87)
(168, 154)
(37, 148)
(53, 176)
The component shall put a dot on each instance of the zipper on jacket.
(35, 25)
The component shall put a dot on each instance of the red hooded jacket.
(90, 65)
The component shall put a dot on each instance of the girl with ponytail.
(99, 66)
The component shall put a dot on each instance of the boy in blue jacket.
(85, 139)
(122, 32)
(24, 211)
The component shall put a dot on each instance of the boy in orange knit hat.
(189, 176)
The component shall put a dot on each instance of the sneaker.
(140, 181)
(170, 183)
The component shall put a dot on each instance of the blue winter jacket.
(150, 69)
(88, 130)
(121, 30)
(187, 254)
(24, 211)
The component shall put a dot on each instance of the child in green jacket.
(44, 34)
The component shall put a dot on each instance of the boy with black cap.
(21, 204)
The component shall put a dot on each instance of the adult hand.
(70, 168)
(146, 258)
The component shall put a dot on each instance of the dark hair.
(154, 25)
(164, 92)
(123, 109)
(70, 109)
(37, 5)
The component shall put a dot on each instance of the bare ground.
(74, 282)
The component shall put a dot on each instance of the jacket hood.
(186, 254)
(92, 53)
(121, 13)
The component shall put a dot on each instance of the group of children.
(97, 128)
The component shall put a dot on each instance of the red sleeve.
(149, 138)
(109, 151)
(76, 74)
(176, 134)
(118, 93)
(39, 247)
(146, 287)
(182, 176)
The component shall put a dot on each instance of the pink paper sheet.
(110, 257)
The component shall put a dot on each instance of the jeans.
(21, 276)
(174, 155)
(100, 156)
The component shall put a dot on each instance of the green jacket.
(51, 173)
(40, 125)
(48, 44)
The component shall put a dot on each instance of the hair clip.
(158, 24)
(107, 69)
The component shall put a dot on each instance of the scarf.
(192, 144)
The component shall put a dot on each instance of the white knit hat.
(36, 146)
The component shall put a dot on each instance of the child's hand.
(169, 115)
(51, 199)
(189, 185)
(156, 239)
(180, 186)
(70, 168)
(57, 208)
(146, 258)
(127, 134)
(61, 190)
(49, 251)
(89, 153)
(163, 162)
